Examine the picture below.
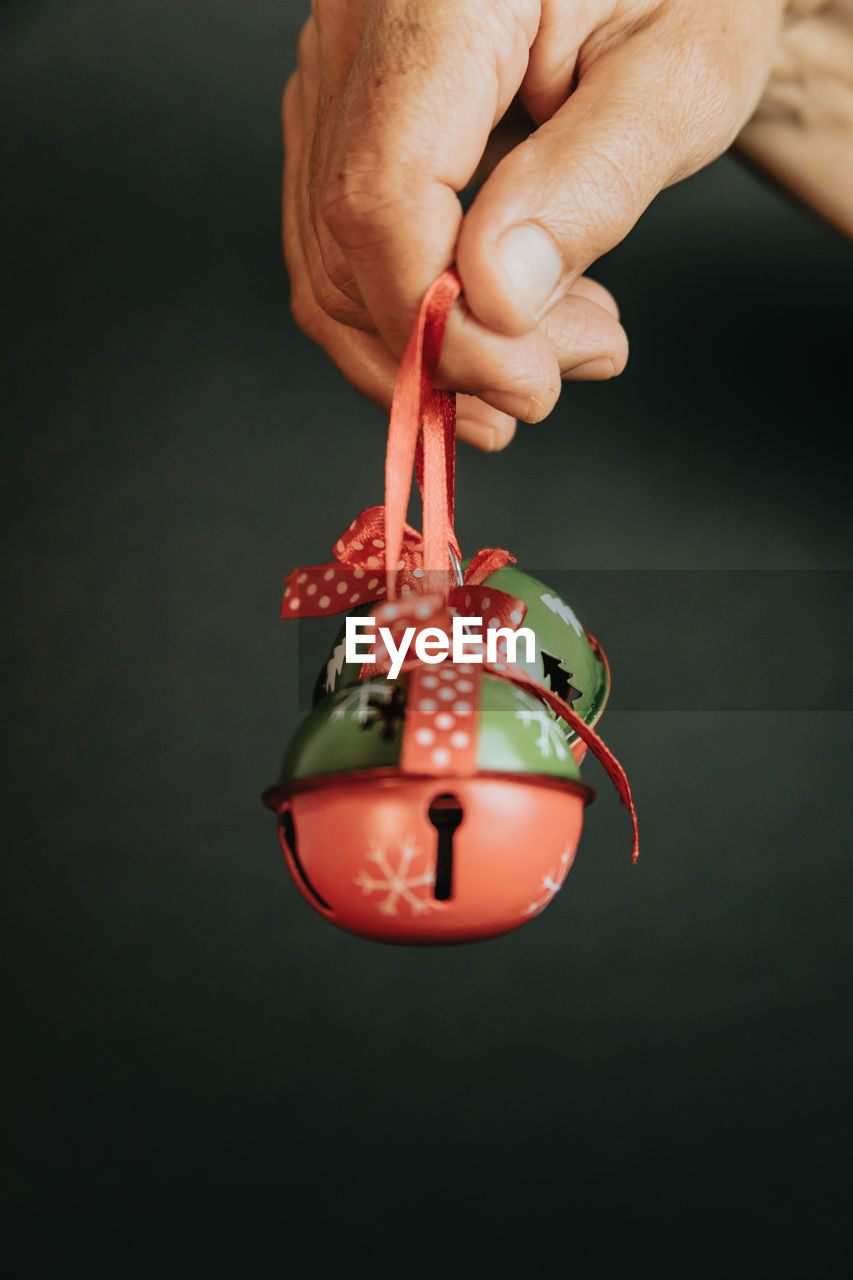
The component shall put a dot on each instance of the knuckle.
(708, 95)
(510, 28)
(331, 300)
(317, 295)
(608, 182)
(356, 206)
(604, 192)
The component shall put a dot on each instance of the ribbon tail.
(587, 734)
(612, 767)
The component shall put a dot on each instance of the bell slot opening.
(445, 814)
(288, 838)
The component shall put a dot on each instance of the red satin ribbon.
(358, 575)
(380, 544)
(423, 423)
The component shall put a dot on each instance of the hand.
(393, 111)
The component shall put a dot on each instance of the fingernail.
(532, 266)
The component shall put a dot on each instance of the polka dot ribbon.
(358, 576)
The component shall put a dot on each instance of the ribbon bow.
(359, 575)
(421, 573)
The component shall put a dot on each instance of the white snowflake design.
(551, 740)
(356, 702)
(551, 884)
(397, 883)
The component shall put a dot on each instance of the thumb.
(575, 188)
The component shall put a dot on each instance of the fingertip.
(586, 287)
(588, 341)
(600, 368)
(488, 439)
(480, 425)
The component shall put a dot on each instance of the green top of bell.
(360, 727)
(564, 659)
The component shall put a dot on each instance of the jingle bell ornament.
(445, 804)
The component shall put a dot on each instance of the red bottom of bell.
(425, 860)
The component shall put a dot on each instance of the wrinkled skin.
(571, 114)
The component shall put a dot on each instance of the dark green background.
(650, 1080)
